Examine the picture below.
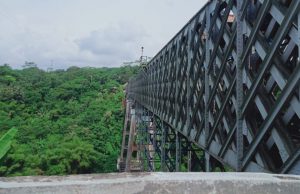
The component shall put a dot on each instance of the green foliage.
(5, 141)
(69, 121)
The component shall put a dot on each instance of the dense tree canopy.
(68, 121)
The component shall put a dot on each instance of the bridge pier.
(130, 140)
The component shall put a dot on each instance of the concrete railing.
(200, 183)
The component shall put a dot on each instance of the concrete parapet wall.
(200, 183)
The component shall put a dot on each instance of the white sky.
(88, 32)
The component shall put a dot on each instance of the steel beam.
(163, 148)
(178, 152)
(239, 86)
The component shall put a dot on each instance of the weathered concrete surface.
(200, 183)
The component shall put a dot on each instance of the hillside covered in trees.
(67, 121)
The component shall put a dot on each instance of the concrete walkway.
(200, 183)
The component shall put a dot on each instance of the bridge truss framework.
(227, 84)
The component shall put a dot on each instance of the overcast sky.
(63, 33)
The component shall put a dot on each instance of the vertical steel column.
(188, 89)
(178, 152)
(299, 44)
(143, 124)
(154, 137)
(176, 84)
(207, 162)
(206, 82)
(298, 37)
(149, 144)
(207, 58)
(239, 87)
(189, 157)
(163, 147)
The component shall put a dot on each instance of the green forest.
(62, 121)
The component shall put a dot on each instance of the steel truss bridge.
(223, 94)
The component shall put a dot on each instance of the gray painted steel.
(231, 88)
